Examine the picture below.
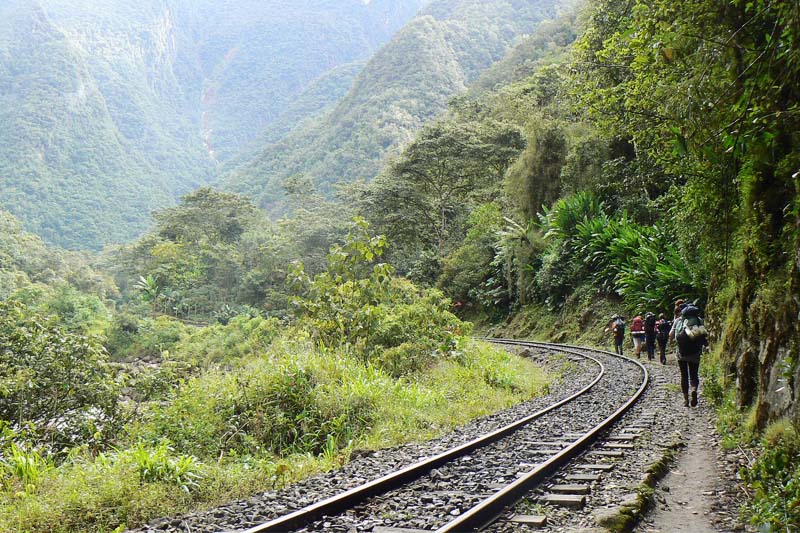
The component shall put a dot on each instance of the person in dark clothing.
(650, 335)
(662, 336)
(617, 329)
(690, 335)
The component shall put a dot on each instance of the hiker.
(690, 335)
(676, 314)
(650, 335)
(637, 334)
(662, 336)
(617, 329)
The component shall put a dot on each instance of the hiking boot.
(694, 397)
(663, 360)
(686, 400)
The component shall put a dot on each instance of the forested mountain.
(110, 110)
(408, 82)
(535, 177)
(66, 167)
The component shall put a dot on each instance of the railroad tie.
(570, 489)
(382, 529)
(623, 437)
(529, 519)
(550, 444)
(604, 467)
(582, 477)
(573, 501)
(618, 446)
(607, 453)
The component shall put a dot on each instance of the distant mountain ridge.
(405, 84)
(110, 109)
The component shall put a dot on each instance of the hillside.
(408, 82)
(66, 167)
(110, 111)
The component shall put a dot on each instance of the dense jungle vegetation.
(617, 158)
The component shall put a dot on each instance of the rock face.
(761, 338)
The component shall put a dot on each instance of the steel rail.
(348, 499)
(489, 509)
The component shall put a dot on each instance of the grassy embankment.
(274, 417)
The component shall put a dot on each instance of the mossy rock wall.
(759, 327)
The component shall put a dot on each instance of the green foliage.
(154, 464)
(129, 337)
(425, 196)
(340, 303)
(218, 344)
(403, 86)
(356, 303)
(56, 379)
(774, 479)
(20, 466)
(469, 273)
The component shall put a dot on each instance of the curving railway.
(472, 478)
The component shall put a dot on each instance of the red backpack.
(637, 325)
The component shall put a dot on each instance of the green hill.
(111, 110)
(408, 82)
(66, 168)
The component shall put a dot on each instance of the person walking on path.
(662, 336)
(637, 334)
(617, 329)
(650, 335)
(676, 314)
(689, 334)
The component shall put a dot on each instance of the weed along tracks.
(550, 453)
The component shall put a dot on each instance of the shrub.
(774, 479)
(155, 464)
(130, 337)
(224, 344)
(23, 466)
(57, 380)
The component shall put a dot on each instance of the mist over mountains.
(111, 109)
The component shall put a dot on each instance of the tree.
(425, 195)
(207, 214)
(54, 378)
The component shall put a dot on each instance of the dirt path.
(699, 494)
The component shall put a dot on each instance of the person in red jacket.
(637, 334)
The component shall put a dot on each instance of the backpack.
(663, 327)
(690, 333)
(650, 323)
(619, 328)
(637, 327)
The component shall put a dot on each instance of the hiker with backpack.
(662, 336)
(617, 329)
(637, 334)
(650, 335)
(691, 336)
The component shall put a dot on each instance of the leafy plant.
(23, 465)
(57, 379)
(157, 464)
(775, 480)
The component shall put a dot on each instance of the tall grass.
(291, 412)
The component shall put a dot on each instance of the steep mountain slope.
(110, 110)
(65, 167)
(437, 55)
(255, 56)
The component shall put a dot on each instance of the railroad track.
(470, 485)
